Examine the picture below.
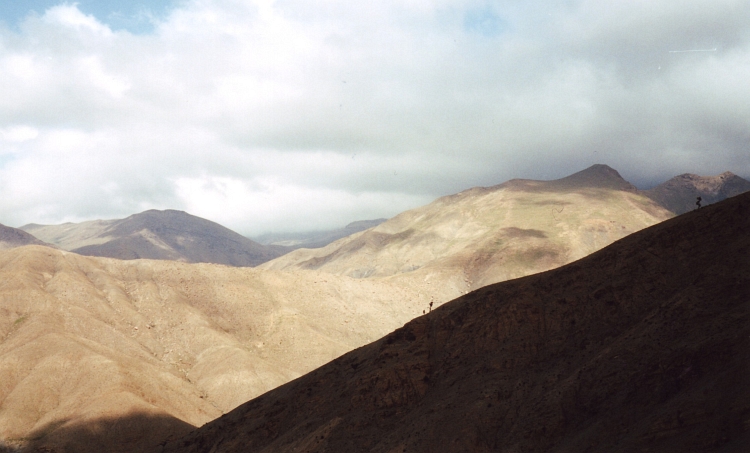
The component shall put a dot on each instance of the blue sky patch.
(484, 21)
(135, 16)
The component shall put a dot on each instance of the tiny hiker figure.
(698, 203)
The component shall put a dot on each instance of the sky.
(297, 115)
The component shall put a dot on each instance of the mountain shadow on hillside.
(641, 346)
(130, 433)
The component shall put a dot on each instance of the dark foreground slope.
(642, 346)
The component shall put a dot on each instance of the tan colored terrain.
(643, 346)
(486, 235)
(70, 236)
(86, 339)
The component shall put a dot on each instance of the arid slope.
(85, 342)
(642, 346)
(163, 235)
(485, 235)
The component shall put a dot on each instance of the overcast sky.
(308, 114)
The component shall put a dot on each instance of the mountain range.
(642, 346)
(163, 235)
(485, 235)
(143, 350)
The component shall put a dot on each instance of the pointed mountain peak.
(598, 176)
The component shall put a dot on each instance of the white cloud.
(276, 114)
(18, 134)
(270, 203)
(70, 16)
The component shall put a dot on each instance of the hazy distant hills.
(13, 237)
(486, 235)
(524, 223)
(163, 235)
(315, 239)
(680, 193)
(642, 346)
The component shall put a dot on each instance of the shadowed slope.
(13, 237)
(139, 431)
(680, 193)
(642, 346)
(162, 235)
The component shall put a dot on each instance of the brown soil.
(642, 346)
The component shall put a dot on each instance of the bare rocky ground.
(642, 346)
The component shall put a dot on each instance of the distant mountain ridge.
(175, 235)
(162, 235)
(488, 234)
(14, 237)
(680, 193)
(316, 239)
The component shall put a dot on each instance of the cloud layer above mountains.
(295, 115)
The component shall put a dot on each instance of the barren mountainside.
(86, 342)
(485, 235)
(164, 235)
(642, 346)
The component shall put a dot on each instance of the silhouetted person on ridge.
(698, 203)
